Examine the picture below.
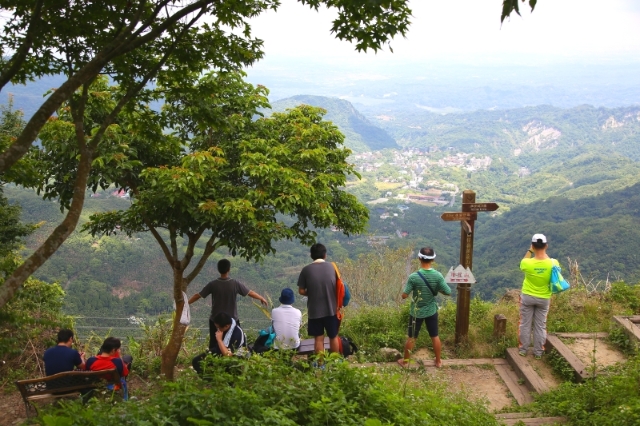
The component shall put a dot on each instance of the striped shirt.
(423, 302)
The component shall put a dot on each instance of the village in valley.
(409, 175)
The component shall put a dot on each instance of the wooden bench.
(64, 385)
(307, 346)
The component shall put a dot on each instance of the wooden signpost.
(467, 218)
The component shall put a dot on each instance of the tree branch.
(119, 46)
(18, 58)
(174, 244)
(134, 90)
(193, 240)
(57, 237)
(160, 241)
(210, 247)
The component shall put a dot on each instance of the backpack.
(557, 283)
(346, 346)
(264, 342)
(343, 295)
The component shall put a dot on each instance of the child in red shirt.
(109, 358)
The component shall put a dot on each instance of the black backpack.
(347, 347)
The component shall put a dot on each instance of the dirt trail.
(605, 354)
(479, 382)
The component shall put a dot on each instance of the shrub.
(612, 399)
(29, 323)
(375, 327)
(626, 295)
(619, 338)
(271, 390)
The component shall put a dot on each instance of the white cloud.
(466, 30)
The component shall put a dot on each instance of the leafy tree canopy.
(205, 168)
(135, 44)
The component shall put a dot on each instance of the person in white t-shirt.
(286, 322)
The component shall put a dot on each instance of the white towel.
(185, 318)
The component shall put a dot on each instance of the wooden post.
(499, 326)
(467, 218)
(466, 260)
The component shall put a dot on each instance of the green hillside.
(601, 233)
(584, 197)
(360, 134)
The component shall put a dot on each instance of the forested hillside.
(571, 174)
(360, 134)
(128, 276)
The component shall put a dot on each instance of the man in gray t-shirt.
(317, 281)
(224, 292)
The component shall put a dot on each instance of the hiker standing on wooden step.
(423, 286)
(535, 296)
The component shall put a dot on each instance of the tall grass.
(376, 278)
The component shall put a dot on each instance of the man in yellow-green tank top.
(535, 296)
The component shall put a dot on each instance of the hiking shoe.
(538, 357)
(522, 353)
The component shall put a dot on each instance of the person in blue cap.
(286, 322)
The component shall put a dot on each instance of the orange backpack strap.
(339, 292)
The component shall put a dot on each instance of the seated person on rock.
(62, 358)
(286, 322)
(229, 340)
(109, 358)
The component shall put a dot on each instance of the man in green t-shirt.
(423, 286)
(534, 300)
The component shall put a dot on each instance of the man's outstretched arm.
(194, 298)
(256, 296)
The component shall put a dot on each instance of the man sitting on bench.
(61, 358)
(286, 322)
(229, 340)
(109, 358)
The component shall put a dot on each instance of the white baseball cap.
(539, 238)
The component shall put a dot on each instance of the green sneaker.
(522, 353)
(538, 357)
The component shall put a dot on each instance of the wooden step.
(629, 326)
(582, 335)
(510, 378)
(445, 363)
(579, 370)
(524, 371)
(509, 419)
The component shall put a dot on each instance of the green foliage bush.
(271, 390)
(375, 327)
(560, 366)
(28, 324)
(619, 337)
(147, 350)
(612, 399)
(627, 295)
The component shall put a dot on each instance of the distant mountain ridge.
(360, 134)
(519, 132)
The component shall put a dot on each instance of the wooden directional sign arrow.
(449, 216)
(479, 207)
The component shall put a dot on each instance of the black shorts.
(317, 326)
(416, 323)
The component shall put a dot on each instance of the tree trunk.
(171, 351)
(57, 237)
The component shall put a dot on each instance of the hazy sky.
(468, 31)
